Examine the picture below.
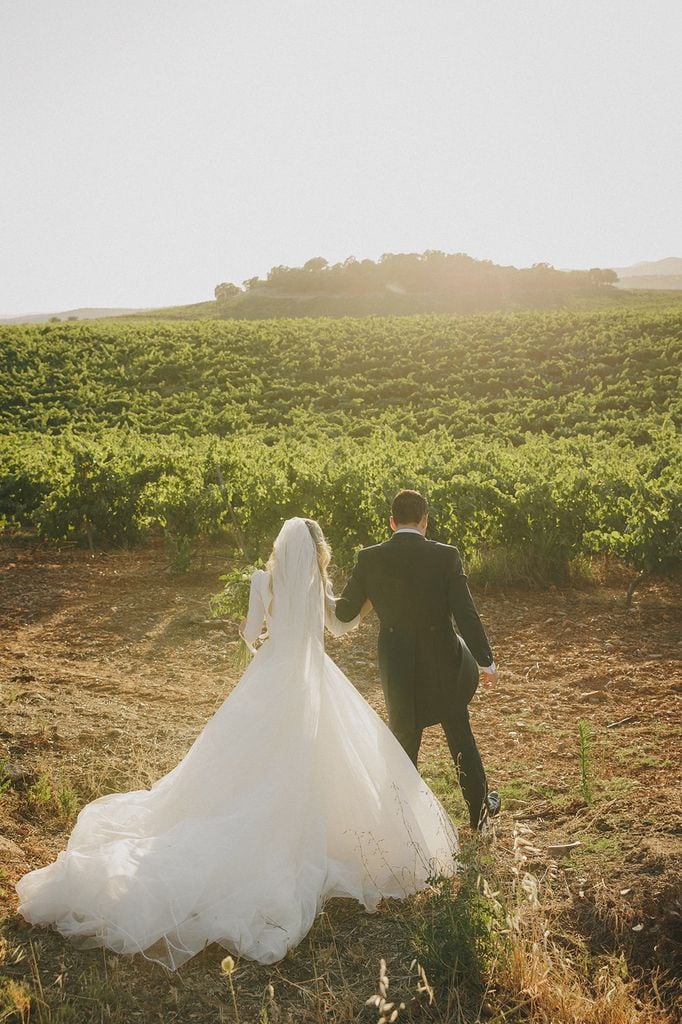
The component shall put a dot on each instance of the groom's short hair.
(409, 507)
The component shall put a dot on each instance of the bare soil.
(110, 666)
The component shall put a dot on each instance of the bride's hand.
(366, 609)
(490, 677)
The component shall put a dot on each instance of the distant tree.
(70, 318)
(55, 320)
(225, 291)
(252, 282)
(600, 277)
(278, 273)
(316, 263)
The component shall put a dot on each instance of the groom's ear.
(394, 525)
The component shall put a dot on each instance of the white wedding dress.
(294, 792)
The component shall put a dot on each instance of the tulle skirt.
(294, 792)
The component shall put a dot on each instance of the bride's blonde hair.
(324, 552)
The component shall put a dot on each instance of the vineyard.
(540, 438)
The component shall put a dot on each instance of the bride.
(294, 792)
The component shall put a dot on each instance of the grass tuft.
(586, 779)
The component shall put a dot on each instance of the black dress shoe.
(491, 808)
(494, 802)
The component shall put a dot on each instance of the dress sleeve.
(335, 626)
(354, 595)
(256, 613)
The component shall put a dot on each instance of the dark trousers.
(457, 729)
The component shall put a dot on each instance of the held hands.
(489, 677)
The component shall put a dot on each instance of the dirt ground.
(110, 666)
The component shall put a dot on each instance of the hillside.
(652, 282)
(657, 275)
(670, 266)
(271, 304)
(83, 313)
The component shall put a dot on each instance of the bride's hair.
(324, 552)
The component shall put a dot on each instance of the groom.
(429, 673)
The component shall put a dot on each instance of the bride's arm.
(334, 625)
(252, 625)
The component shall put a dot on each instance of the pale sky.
(152, 148)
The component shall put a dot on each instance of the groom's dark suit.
(428, 673)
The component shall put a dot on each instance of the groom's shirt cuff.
(491, 668)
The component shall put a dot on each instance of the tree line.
(431, 281)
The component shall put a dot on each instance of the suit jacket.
(417, 586)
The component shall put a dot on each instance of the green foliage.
(459, 938)
(5, 780)
(612, 373)
(96, 495)
(233, 600)
(67, 800)
(640, 506)
(539, 438)
(41, 790)
(544, 502)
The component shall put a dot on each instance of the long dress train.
(294, 792)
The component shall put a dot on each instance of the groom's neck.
(420, 527)
(417, 527)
